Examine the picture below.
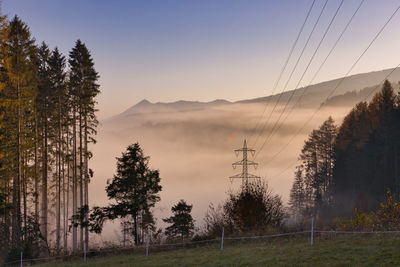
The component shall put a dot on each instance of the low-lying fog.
(194, 151)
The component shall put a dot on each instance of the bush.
(385, 219)
(254, 208)
(358, 221)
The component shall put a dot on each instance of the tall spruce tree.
(45, 110)
(84, 89)
(57, 76)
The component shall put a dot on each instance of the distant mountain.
(146, 106)
(311, 96)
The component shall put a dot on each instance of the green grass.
(340, 250)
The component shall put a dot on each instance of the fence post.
(222, 239)
(22, 261)
(147, 245)
(84, 252)
(312, 231)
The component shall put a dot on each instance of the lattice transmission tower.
(245, 175)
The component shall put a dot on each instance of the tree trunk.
(36, 171)
(16, 227)
(135, 232)
(65, 207)
(74, 182)
(43, 224)
(86, 184)
(58, 221)
(81, 168)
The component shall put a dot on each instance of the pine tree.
(134, 187)
(44, 106)
(297, 202)
(182, 223)
(57, 76)
(84, 88)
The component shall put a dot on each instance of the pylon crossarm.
(238, 163)
(253, 176)
(236, 176)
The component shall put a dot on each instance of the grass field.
(339, 250)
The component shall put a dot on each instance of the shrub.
(254, 207)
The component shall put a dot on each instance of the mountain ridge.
(312, 95)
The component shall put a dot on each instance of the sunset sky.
(204, 50)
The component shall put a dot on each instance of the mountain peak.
(144, 102)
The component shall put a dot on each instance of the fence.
(147, 248)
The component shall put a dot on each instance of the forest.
(351, 166)
(48, 123)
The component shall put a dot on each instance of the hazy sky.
(203, 50)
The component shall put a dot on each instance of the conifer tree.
(182, 223)
(18, 76)
(297, 200)
(134, 188)
(57, 76)
(44, 106)
(84, 89)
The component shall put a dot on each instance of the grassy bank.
(339, 250)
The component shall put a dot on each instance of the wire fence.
(153, 248)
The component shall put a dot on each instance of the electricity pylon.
(245, 176)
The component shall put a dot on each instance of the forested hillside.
(353, 165)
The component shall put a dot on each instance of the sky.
(169, 50)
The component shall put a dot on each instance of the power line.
(284, 66)
(320, 67)
(341, 80)
(302, 76)
(293, 70)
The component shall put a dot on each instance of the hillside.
(354, 97)
(351, 250)
(319, 92)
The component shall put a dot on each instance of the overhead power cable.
(320, 67)
(301, 78)
(293, 70)
(339, 83)
(284, 67)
